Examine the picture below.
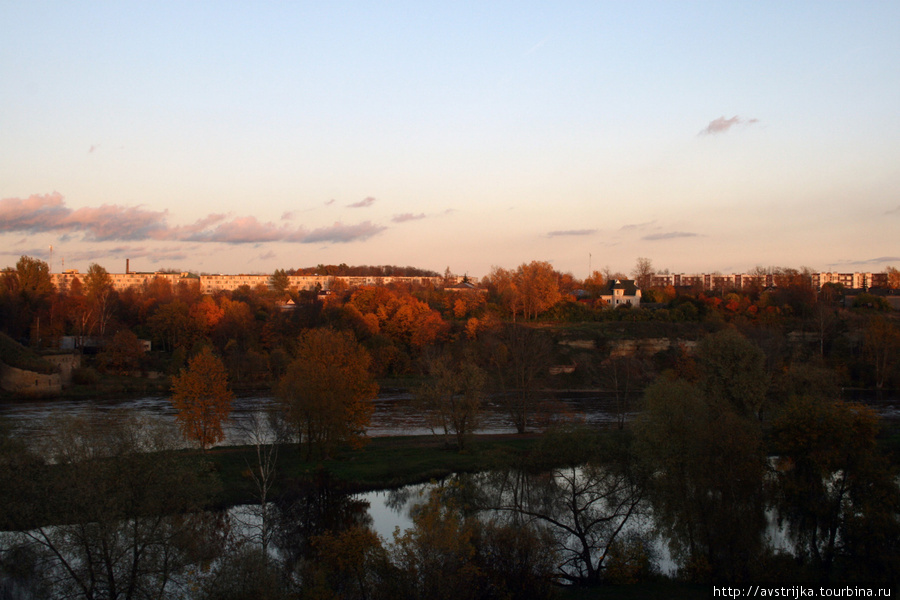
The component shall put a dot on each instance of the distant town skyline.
(244, 138)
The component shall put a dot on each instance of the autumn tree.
(327, 390)
(27, 291)
(521, 358)
(504, 288)
(707, 465)
(349, 564)
(893, 275)
(123, 353)
(452, 397)
(733, 371)
(439, 552)
(882, 346)
(98, 287)
(595, 284)
(838, 495)
(202, 398)
(280, 282)
(172, 326)
(34, 282)
(538, 286)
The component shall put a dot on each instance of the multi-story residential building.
(213, 283)
(740, 281)
(210, 284)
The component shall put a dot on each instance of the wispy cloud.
(879, 261)
(48, 214)
(364, 203)
(330, 202)
(408, 217)
(721, 125)
(340, 233)
(633, 226)
(537, 46)
(572, 232)
(893, 211)
(670, 235)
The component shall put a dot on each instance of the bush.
(85, 376)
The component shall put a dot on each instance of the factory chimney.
(127, 266)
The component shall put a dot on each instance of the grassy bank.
(386, 462)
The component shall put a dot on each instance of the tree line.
(749, 423)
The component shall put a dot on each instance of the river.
(395, 413)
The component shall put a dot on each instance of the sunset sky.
(245, 137)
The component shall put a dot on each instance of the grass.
(16, 355)
(384, 463)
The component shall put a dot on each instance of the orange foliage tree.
(538, 284)
(400, 316)
(201, 396)
(327, 390)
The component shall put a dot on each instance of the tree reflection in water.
(305, 512)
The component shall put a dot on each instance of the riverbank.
(384, 463)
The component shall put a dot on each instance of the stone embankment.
(32, 383)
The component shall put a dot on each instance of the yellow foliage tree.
(327, 391)
(201, 396)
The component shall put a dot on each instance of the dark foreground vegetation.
(744, 424)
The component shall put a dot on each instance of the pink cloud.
(341, 234)
(241, 230)
(364, 203)
(48, 213)
(113, 222)
(407, 217)
(109, 222)
(35, 213)
(721, 125)
(572, 232)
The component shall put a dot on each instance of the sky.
(244, 137)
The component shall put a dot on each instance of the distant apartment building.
(210, 284)
(740, 281)
(120, 281)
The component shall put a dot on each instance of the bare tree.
(522, 360)
(643, 272)
(115, 512)
(262, 430)
(583, 501)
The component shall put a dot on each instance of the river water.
(395, 413)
